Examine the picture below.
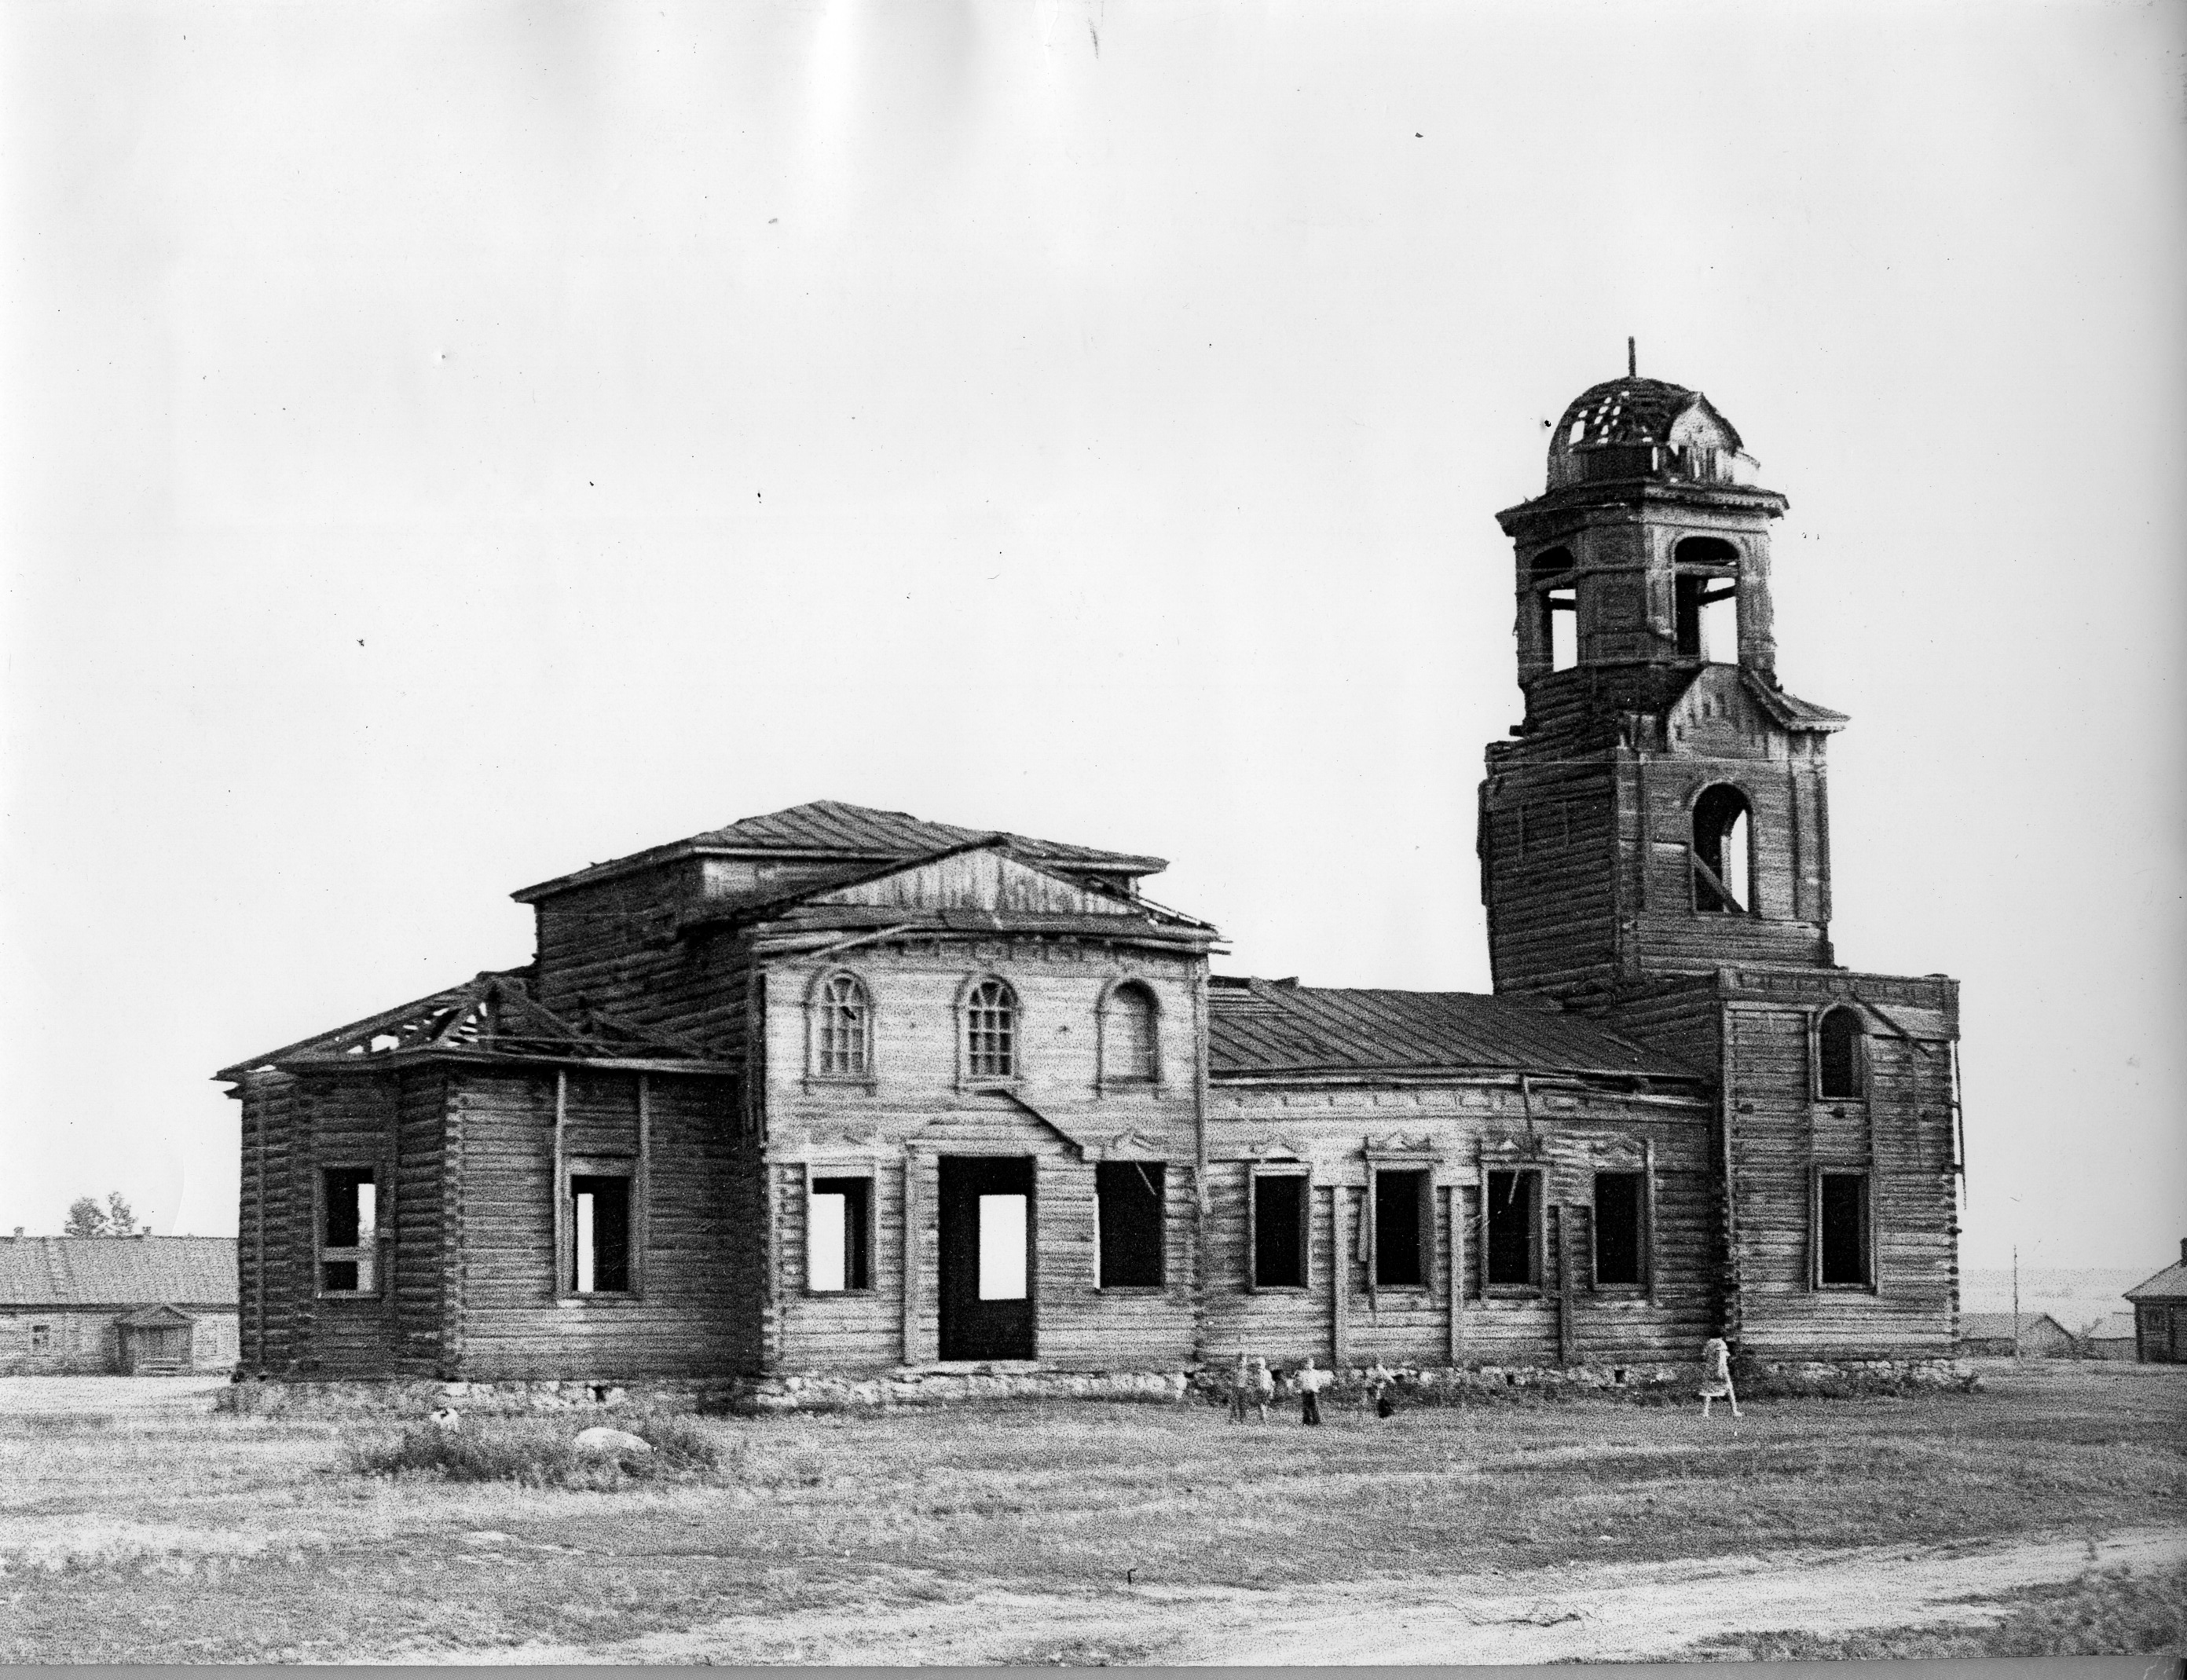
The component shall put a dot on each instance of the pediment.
(985, 878)
(1717, 712)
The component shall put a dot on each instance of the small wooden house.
(2159, 1314)
(1991, 1335)
(838, 1090)
(131, 1306)
(2110, 1337)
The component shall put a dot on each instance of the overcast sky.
(446, 444)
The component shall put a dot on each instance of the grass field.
(1073, 1532)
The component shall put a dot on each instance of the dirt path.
(1644, 1612)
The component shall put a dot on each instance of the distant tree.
(86, 1218)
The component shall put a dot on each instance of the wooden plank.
(1567, 1330)
(558, 1183)
(1339, 1277)
(1455, 1195)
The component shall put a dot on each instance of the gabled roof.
(492, 1016)
(1998, 1326)
(993, 886)
(829, 828)
(117, 1270)
(2169, 1285)
(2113, 1327)
(1258, 1027)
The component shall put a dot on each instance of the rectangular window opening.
(1620, 1213)
(1842, 1211)
(1401, 1212)
(1279, 1231)
(41, 1338)
(1719, 625)
(599, 1229)
(348, 1244)
(1513, 1260)
(839, 1235)
(1002, 1248)
(1128, 1197)
(1560, 624)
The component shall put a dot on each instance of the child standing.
(1716, 1376)
(1311, 1381)
(1264, 1386)
(1240, 1389)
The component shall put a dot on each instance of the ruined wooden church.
(836, 1090)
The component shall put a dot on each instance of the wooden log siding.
(916, 1108)
(1577, 1132)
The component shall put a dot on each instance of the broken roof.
(1260, 1027)
(116, 1271)
(829, 828)
(490, 1017)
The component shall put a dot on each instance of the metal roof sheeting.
(1259, 1028)
(117, 1270)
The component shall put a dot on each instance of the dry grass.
(2112, 1614)
(540, 1451)
(251, 1538)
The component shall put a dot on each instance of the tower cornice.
(1637, 496)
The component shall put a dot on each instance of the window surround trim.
(862, 1167)
(1864, 1063)
(1872, 1283)
(1161, 1217)
(869, 1080)
(1644, 1289)
(638, 1166)
(1537, 1287)
(1380, 1162)
(962, 1014)
(1256, 1171)
(1105, 1081)
(383, 1245)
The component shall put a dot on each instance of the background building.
(137, 1306)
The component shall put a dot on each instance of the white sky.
(446, 445)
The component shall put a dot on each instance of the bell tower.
(1662, 809)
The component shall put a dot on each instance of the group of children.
(1253, 1386)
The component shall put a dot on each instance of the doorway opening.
(986, 1227)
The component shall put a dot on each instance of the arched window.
(991, 1032)
(1128, 1042)
(1723, 853)
(1837, 1054)
(1706, 580)
(842, 1029)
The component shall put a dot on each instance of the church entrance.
(986, 1230)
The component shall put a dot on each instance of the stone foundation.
(817, 1391)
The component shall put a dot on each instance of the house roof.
(1260, 1027)
(2113, 1327)
(831, 828)
(116, 1271)
(490, 1017)
(1791, 712)
(2169, 1285)
(1998, 1326)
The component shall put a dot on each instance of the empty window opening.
(1128, 1197)
(1513, 1225)
(1560, 626)
(1127, 1048)
(1620, 1209)
(348, 1246)
(844, 1040)
(1279, 1231)
(1722, 852)
(1841, 1214)
(599, 1228)
(1838, 1044)
(1706, 598)
(839, 1234)
(1401, 1212)
(1002, 1247)
(1550, 562)
(41, 1338)
(991, 1032)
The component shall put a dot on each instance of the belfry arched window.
(991, 1032)
(1723, 853)
(1129, 1043)
(1706, 582)
(842, 1029)
(1556, 599)
(1839, 1042)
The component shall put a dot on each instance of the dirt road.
(1623, 1612)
